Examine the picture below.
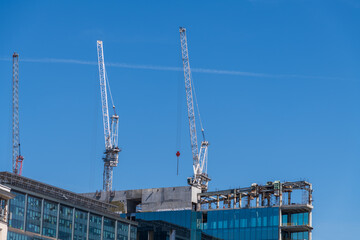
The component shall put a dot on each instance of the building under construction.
(272, 211)
(276, 210)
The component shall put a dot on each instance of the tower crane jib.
(200, 178)
(110, 128)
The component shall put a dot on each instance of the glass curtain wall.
(50, 219)
(17, 210)
(109, 229)
(247, 224)
(65, 223)
(244, 224)
(33, 214)
(80, 225)
(295, 219)
(95, 227)
(122, 231)
(133, 231)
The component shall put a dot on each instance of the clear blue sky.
(289, 109)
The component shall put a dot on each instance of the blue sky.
(277, 84)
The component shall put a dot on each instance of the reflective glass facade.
(17, 209)
(181, 218)
(295, 219)
(109, 229)
(33, 214)
(253, 223)
(95, 227)
(39, 218)
(80, 225)
(49, 219)
(247, 224)
(65, 223)
(122, 231)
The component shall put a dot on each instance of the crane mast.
(110, 128)
(200, 178)
(17, 159)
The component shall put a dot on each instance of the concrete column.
(129, 228)
(25, 210)
(172, 234)
(116, 226)
(102, 227)
(198, 205)
(88, 225)
(240, 200)
(234, 203)
(280, 222)
(57, 221)
(310, 223)
(289, 198)
(73, 225)
(41, 216)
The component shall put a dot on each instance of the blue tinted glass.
(80, 225)
(95, 227)
(109, 229)
(17, 210)
(33, 214)
(65, 222)
(122, 231)
(49, 219)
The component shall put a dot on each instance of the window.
(33, 214)
(50, 218)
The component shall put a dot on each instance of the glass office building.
(40, 211)
(247, 224)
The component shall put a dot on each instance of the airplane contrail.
(165, 68)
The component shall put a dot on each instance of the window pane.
(17, 210)
(80, 227)
(94, 227)
(109, 229)
(50, 218)
(65, 222)
(33, 214)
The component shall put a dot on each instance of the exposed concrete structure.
(150, 200)
(5, 196)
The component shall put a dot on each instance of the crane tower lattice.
(110, 128)
(200, 178)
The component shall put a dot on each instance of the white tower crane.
(200, 178)
(17, 159)
(110, 129)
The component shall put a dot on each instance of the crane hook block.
(178, 154)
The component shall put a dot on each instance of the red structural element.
(178, 154)
(19, 161)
